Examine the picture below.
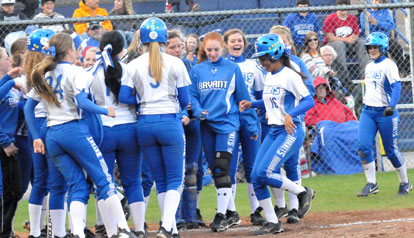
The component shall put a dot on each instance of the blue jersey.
(8, 117)
(218, 88)
(385, 23)
(301, 25)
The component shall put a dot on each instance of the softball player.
(119, 137)
(382, 91)
(285, 97)
(58, 83)
(45, 174)
(218, 86)
(291, 166)
(159, 79)
(249, 130)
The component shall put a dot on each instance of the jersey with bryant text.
(67, 81)
(378, 79)
(282, 92)
(157, 97)
(103, 97)
(218, 88)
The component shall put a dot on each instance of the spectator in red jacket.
(327, 107)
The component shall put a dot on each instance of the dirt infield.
(392, 223)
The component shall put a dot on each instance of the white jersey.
(378, 80)
(67, 81)
(253, 77)
(154, 97)
(105, 98)
(282, 93)
(40, 108)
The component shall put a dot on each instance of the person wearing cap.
(9, 14)
(48, 7)
(90, 8)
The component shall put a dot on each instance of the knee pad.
(221, 170)
(191, 174)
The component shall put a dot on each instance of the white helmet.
(8, 1)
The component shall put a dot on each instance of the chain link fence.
(330, 149)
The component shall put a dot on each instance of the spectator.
(311, 55)
(30, 7)
(192, 42)
(300, 23)
(89, 56)
(48, 7)
(9, 14)
(380, 20)
(327, 107)
(341, 32)
(172, 5)
(126, 28)
(90, 8)
(134, 50)
(94, 34)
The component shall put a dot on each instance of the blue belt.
(157, 117)
(370, 108)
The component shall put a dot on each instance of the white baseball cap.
(8, 1)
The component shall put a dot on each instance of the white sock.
(171, 202)
(44, 212)
(174, 227)
(86, 215)
(114, 205)
(77, 210)
(70, 224)
(234, 190)
(146, 201)
(223, 197)
(291, 186)
(35, 212)
(58, 218)
(268, 210)
(369, 170)
(293, 199)
(99, 220)
(279, 196)
(254, 204)
(232, 203)
(137, 210)
(198, 197)
(402, 173)
(110, 224)
(160, 199)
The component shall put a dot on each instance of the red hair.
(202, 56)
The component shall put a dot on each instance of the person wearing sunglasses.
(311, 55)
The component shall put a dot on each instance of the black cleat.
(369, 188)
(293, 216)
(305, 201)
(140, 234)
(233, 218)
(192, 225)
(219, 223)
(281, 211)
(162, 233)
(100, 231)
(123, 233)
(256, 218)
(405, 188)
(199, 218)
(269, 228)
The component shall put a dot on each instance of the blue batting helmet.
(153, 30)
(39, 39)
(270, 44)
(378, 39)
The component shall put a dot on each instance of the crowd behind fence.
(330, 148)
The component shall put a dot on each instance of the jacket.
(332, 109)
(84, 11)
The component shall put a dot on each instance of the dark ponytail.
(285, 60)
(113, 75)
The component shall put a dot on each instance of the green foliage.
(333, 193)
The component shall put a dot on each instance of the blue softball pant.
(162, 141)
(213, 142)
(25, 161)
(120, 143)
(372, 120)
(250, 147)
(276, 149)
(46, 177)
(72, 149)
(147, 179)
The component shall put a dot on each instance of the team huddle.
(154, 115)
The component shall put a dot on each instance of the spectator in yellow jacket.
(90, 8)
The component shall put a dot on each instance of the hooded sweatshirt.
(330, 109)
(85, 11)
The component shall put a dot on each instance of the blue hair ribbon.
(51, 51)
(106, 57)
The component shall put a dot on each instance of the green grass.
(333, 193)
